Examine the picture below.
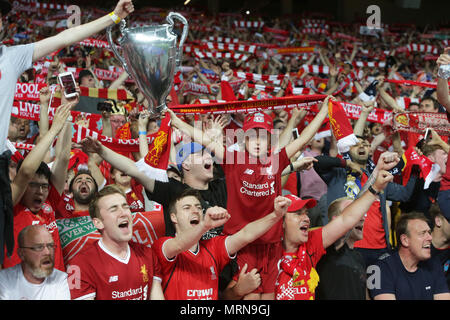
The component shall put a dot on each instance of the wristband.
(292, 167)
(372, 190)
(114, 17)
(444, 72)
(142, 132)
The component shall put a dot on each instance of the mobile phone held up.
(68, 84)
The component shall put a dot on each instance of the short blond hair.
(334, 209)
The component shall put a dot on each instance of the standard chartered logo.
(258, 189)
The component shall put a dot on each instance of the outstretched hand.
(215, 217)
(383, 178)
(90, 145)
(124, 8)
(388, 160)
(281, 205)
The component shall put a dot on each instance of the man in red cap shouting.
(297, 277)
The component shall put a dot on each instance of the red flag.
(227, 91)
(341, 126)
(155, 163)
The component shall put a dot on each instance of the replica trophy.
(151, 57)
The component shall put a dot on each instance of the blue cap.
(186, 150)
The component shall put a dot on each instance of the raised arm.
(79, 33)
(256, 229)
(297, 116)
(44, 100)
(442, 84)
(360, 124)
(59, 167)
(186, 239)
(124, 164)
(197, 135)
(338, 227)
(142, 125)
(33, 160)
(309, 131)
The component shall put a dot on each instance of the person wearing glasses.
(35, 278)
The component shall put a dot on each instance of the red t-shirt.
(193, 276)
(373, 231)
(445, 182)
(106, 277)
(252, 189)
(297, 277)
(23, 217)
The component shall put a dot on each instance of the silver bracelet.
(444, 72)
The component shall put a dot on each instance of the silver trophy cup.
(151, 57)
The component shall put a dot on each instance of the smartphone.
(67, 81)
(427, 134)
(295, 133)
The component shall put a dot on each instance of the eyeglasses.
(40, 247)
(36, 185)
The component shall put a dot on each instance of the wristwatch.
(372, 190)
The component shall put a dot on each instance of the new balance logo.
(113, 279)
(249, 171)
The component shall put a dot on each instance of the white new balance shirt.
(14, 61)
(14, 286)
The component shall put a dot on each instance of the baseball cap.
(258, 120)
(186, 150)
(299, 203)
(5, 7)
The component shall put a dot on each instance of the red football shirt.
(373, 231)
(252, 188)
(104, 276)
(193, 275)
(445, 182)
(297, 277)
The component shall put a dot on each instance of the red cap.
(298, 203)
(258, 120)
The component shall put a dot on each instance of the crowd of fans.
(254, 218)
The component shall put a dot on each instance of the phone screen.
(68, 84)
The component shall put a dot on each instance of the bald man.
(35, 278)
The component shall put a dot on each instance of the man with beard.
(35, 278)
(83, 188)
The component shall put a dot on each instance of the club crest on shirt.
(144, 273)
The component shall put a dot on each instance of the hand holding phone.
(427, 136)
(68, 84)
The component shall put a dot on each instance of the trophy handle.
(113, 45)
(170, 17)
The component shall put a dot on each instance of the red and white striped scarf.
(414, 47)
(248, 24)
(231, 47)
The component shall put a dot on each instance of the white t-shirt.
(14, 286)
(14, 61)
